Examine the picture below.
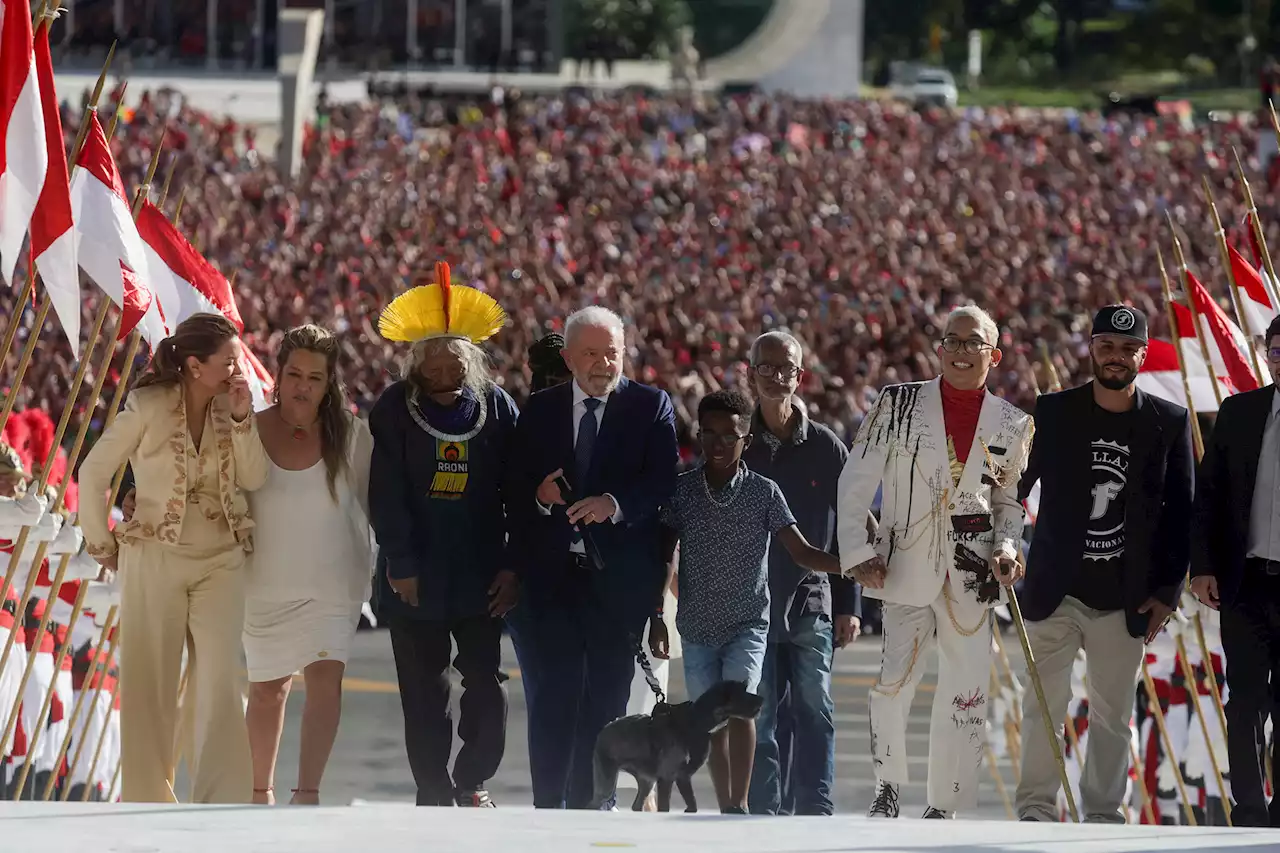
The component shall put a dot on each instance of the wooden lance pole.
(1232, 285)
(1154, 702)
(1175, 335)
(104, 668)
(1259, 235)
(1180, 260)
(1190, 676)
(80, 700)
(1045, 715)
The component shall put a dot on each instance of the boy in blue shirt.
(723, 516)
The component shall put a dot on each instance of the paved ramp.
(66, 828)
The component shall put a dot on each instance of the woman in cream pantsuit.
(312, 562)
(189, 432)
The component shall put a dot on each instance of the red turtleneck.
(960, 411)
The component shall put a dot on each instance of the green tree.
(623, 29)
(721, 25)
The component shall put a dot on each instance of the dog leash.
(647, 668)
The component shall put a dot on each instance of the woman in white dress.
(312, 563)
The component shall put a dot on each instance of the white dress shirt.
(580, 409)
(1264, 515)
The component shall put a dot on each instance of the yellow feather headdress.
(441, 310)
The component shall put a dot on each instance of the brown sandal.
(305, 792)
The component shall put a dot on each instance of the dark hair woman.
(190, 434)
(312, 562)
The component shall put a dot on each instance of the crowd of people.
(846, 233)
(855, 224)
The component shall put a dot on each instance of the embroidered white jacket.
(931, 527)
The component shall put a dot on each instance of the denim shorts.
(739, 659)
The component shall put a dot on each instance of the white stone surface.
(63, 828)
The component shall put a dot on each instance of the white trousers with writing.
(958, 726)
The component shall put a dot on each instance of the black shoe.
(886, 801)
(935, 814)
(733, 810)
(1029, 819)
(476, 799)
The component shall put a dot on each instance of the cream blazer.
(932, 528)
(151, 433)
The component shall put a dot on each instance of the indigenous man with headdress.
(442, 438)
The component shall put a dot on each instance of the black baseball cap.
(1120, 320)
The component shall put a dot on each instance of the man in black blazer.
(578, 623)
(1235, 566)
(1107, 561)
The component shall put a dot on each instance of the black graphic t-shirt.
(1100, 581)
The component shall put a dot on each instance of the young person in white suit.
(949, 455)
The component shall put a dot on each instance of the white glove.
(17, 513)
(70, 540)
(100, 598)
(47, 529)
(82, 567)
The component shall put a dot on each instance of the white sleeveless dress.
(311, 566)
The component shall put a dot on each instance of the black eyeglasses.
(972, 346)
(783, 372)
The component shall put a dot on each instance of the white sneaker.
(886, 801)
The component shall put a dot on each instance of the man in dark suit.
(1235, 567)
(1107, 560)
(579, 621)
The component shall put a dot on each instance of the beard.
(1112, 382)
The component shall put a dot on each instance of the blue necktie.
(587, 429)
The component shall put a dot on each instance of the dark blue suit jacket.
(1225, 487)
(635, 461)
(1157, 507)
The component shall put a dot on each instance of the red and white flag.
(1255, 299)
(53, 237)
(185, 284)
(23, 155)
(1229, 347)
(110, 249)
(1161, 377)
(260, 382)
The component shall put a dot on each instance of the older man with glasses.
(810, 615)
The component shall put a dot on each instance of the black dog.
(669, 746)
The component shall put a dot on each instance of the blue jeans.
(798, 668)
(739, 659)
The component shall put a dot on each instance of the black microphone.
(588, 541)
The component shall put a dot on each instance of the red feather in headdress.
(442, 279)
